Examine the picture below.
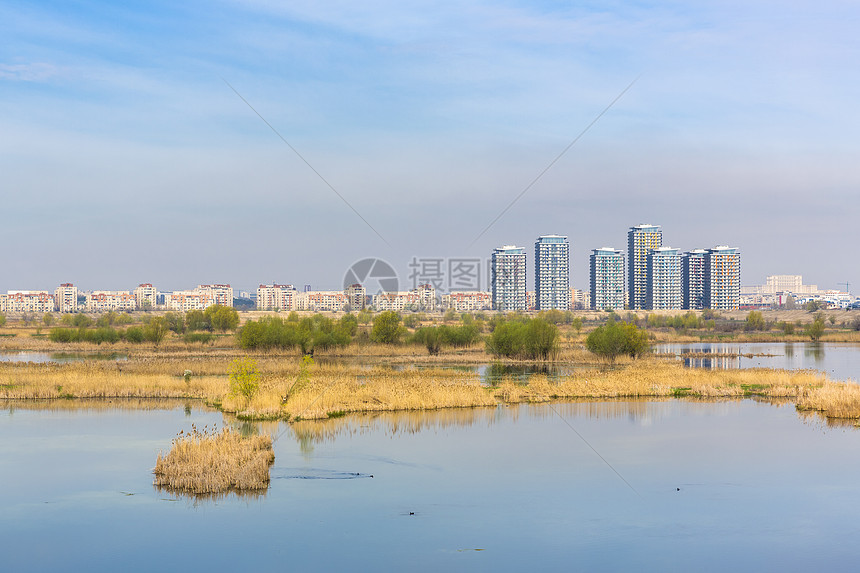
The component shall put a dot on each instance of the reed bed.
(205, 462)
(94, 380)
(833, 400)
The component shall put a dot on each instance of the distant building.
(693, 278)
(110, 300)
(607, 278)
(276, 297)
(552, 273)
(146, 296)
(185, 300)
(664, 279)
(581, 299)
(508, 278)
(426, 297)
(321, 300)
(29, 301)
(640, 239)
(396, 300)
(467, 301)
(723, 278)
(66, 298)
(356, 297)
(222, 294)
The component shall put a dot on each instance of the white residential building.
(222, 294)
(66, 298)
(664, 279)
(321, 300)
(276, 297)
(552, 272)
(508, 278)
(606, 278)
(29, 301)
(185, 300)
(145, 296)
(468, 301)
(107, 300)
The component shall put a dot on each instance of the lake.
(718, 485)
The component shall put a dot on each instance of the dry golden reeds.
(205, 462)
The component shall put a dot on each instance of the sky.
(250, 142)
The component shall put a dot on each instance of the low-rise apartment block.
(276, 297)
(185, 300)
(108, 300)
(468, 301)
(221, 294)
(321, 301)
(28, 301)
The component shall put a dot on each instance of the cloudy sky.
(125, 157)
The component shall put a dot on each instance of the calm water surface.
(58, 357)
(511, 488)
(839, 361)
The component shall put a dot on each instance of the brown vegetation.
(213, 462)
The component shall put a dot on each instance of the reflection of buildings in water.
(714, 363)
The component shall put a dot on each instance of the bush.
(201, 337)
(134, 334)
(310, 333)
(532, 339)
(222, 318)
(614, 339)
(387, 328)
(244, 378)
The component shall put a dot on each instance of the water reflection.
(60, 357)
(814, 350)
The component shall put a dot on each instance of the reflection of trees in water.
(814, 350)
(789, 350)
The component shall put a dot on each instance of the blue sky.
(125, 157)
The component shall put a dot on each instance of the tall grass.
(205, 461)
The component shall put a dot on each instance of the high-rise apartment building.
(693, 278)
(356, 296)
(508, 270)
(607, 278)
(640, 239)
(145, 296)
(552, 272)
(723, 278)
(66, 298)
(663, 268)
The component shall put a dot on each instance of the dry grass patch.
(205, 462)
(834, 400)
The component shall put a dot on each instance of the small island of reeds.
(210, 462)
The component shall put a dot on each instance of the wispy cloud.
(33, 72)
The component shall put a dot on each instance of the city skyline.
(126, 157)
